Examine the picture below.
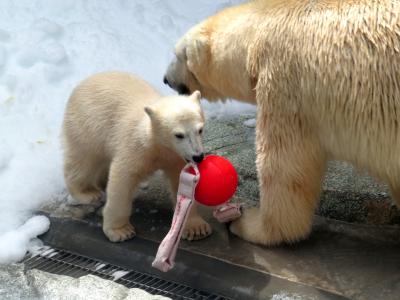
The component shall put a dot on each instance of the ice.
(46, 48)
(290, 296)
(118, 274)
(37, 248)
(48, 253)
(99, 266)
(52, 254)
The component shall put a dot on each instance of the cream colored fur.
(110, 141)
(325, 77)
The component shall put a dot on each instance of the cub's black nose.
(198, 158)
(165, 80)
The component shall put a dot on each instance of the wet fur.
(325, 78)
(111, 142)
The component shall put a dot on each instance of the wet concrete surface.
(202, 269)
(352, 252)
(354, 261)
(347, 194)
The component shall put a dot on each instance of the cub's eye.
(200, 130)
(179, 136)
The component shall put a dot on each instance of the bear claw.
(120, 234)
(196, 229)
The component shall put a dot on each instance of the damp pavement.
(347, 194)
(352, 252)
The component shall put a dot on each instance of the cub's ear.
(150, 112)
(197, 53)
(196, 96)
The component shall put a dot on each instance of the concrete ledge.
(339, 259)
(198, 270)
(357, 259)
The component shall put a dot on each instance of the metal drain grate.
(66, 263)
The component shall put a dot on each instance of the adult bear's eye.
(179, 136)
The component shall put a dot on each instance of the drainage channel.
(62, 262)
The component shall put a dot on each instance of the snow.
(46, 48)
(250, 123)
(14, 243)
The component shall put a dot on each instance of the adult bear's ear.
(197, 53)
(180, 50)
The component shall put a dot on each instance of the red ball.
(218, 181)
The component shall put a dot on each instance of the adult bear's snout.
(182, 89)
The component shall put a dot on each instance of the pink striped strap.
(165, 258)
(227, 212)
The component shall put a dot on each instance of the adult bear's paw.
(253, 227)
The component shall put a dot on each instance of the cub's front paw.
(196, 229)
(120, 234)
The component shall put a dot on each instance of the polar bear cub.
(117, 131)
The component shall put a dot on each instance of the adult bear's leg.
(395, 191)
(290, 165)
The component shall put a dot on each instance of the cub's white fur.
(117, 131)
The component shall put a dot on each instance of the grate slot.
(62, 262)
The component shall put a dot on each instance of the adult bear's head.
(212, 58)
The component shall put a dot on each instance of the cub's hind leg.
(82, 176)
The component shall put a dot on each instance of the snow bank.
(46, 48)
(14, 243)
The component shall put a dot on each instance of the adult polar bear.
(325, 78)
